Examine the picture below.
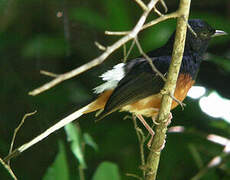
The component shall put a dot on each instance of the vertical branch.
(169, 88)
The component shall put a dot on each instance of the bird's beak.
(219, 33)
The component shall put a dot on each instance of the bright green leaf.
(89, 140)
(107, 170)
(59, 169)
(74, 136)
(157, 36)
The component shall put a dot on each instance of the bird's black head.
(198, 38)
(195, 44)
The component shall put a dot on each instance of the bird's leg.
(150, 130)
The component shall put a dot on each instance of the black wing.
(139, 82)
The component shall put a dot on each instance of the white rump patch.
(112, 77)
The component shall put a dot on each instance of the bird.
(135, 87)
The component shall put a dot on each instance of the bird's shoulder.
(141, 64)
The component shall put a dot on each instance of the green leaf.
(155, 37)
(116, 17)
(59, 169)
(221, 61)
(44, 46)
(89, 140)
(89, 16)
(118, 13)
(74, 136)
(107, 170)
(77, 92)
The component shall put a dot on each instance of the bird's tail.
(98, 104)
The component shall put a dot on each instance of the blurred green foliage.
(74, 137)
(59, 169)
(107, 170)
(58, 36)
(45, 46)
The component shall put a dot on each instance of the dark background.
(34, 38)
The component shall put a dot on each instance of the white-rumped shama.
(135, 87)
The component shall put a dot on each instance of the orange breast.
(150, 105)
(184, 83)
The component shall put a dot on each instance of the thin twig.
(190, 28)
(16, 131)
(134, 176)
(124, 53)
(101, 47)
(182, 105)
(149, 59)
(147, 25)
(47, 132)
(8, 169)
(157, 11)
(141, 4)
(129, 51)
(161, 18)
(109, 50)
(164, 92)
(192, 31)
(164, 5)
(141, 139)
(117, 33)
(50, 74)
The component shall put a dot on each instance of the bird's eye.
(203, 34)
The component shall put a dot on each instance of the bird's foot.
(154, 121)
(150, 141)
(167, 123)
(169, 120)
(150, 130)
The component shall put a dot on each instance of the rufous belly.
(150, 105)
